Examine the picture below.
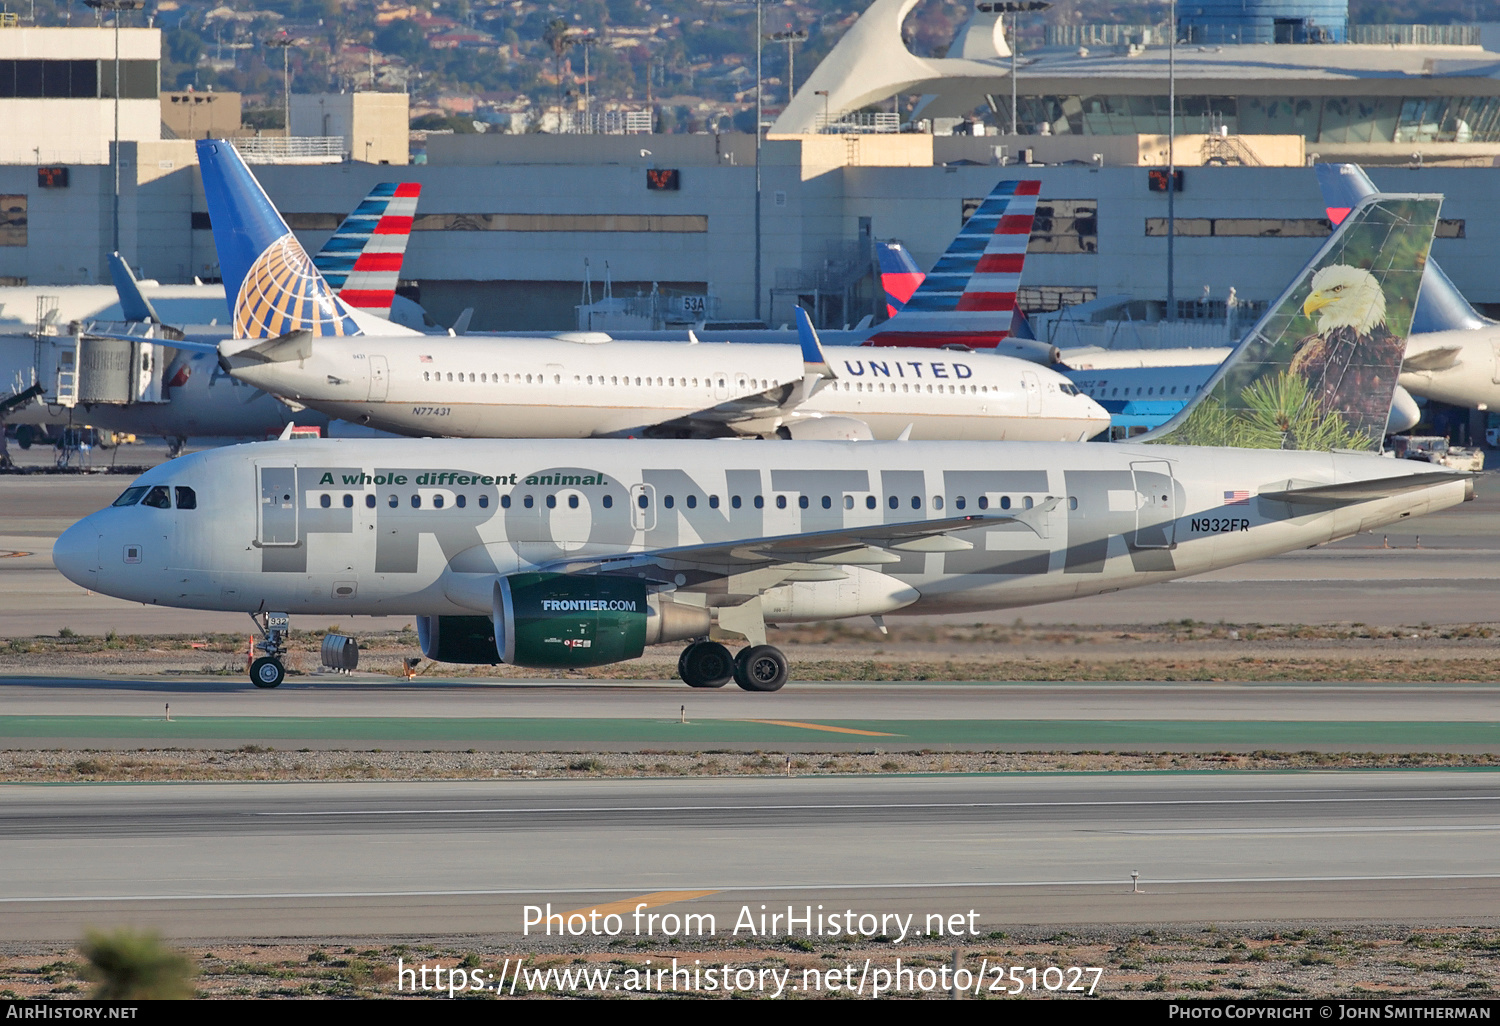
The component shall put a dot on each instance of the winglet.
(905, 435)
(461, 325)
(813, 358)
(133, 305)
(286, 432)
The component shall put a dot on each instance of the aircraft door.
(1155, 505)
(643, 507)
(278, 505)
(1495, 372)
(1033, 392)
(721, 385)
(380, 378)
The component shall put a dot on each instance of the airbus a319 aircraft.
(582, 552)
(305, 348)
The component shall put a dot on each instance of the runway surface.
(1454, 577)
(247, 860)
(331, 712)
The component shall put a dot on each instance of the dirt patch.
(257, 762)
(1262, 961)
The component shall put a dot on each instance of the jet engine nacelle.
(828, 429)
(562, 620)
(458, 639)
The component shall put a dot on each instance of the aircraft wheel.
(705, 664)
(760, 668)
(25, 436)
(266, 672)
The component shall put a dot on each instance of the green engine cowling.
(458, 639)
(564, 620)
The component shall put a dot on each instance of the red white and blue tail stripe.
(969, 296)
(362, 260)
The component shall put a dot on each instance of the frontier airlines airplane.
(582, 552)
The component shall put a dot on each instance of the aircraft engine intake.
(458, 639)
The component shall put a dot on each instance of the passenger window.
(1072, 502)
(392, 501)
(325, 500)
(916, 502)
(130, 497)
(869, 502)
(348, 501)
(827, 502)
(848, 502)
(937, 502)
(668, 501)
(692, 502)
(713, 502)
(552, 502)
(369, 502)
(416, 501)
(528, 502)
(460, 501)
(960, 502)
(893, 502)
(760, 502)
(572, 502)
(484, 501)
(186, 498)
(984, 502)
(608, 501)
(642, 501)
(1005, 502)
(734, 501)
(437, 502)
(1026, 502)
(158, 498)
(781, 502)
(801, 502)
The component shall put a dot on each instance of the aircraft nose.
(76, 554)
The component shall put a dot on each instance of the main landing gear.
(708, 664)
(267, 671)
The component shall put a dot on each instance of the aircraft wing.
(1349, 492)
(871, 545)
(760, 412)
(146, 331)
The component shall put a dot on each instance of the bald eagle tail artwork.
(1318, 372)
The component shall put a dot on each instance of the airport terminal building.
(515, 225)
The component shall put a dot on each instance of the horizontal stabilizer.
(1350, 492)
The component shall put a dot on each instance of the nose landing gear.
(267, 671)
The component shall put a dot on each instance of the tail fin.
(967, 297)
(269, 280)
(899, 275)
(1440, 307)
(362, 260)
(1319, 369)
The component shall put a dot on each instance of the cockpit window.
(131, 496)
(158, 497)
(186, 498)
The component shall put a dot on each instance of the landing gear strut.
(705, 664)
(267, 671)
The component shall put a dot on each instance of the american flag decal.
(424, 359)
(1240, 498)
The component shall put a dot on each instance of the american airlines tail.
(361, 261)
(270, 283)
(1319, 370)
(969, 296)
(1441, 307)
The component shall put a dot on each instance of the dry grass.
(1198, 961)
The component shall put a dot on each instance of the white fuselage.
(551, 388)
(426, 527)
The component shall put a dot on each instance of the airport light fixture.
(1015, 8)
(283, 42)
(1171, 161)
(789, 37)
(118, 7)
